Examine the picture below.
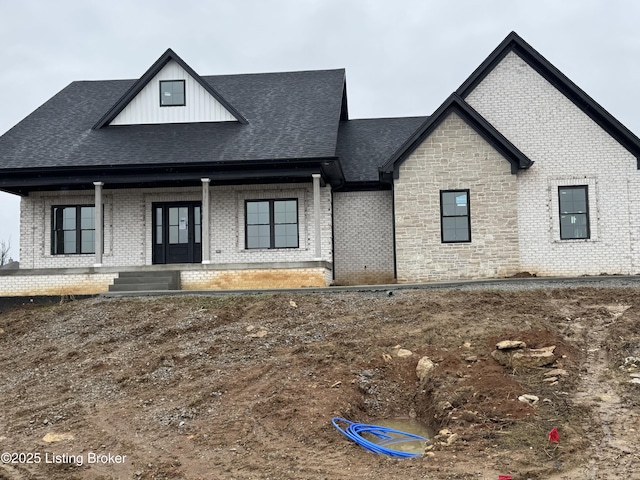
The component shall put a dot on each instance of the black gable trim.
(344, 110)
(513, 42)
(455, 104)
(146, 78)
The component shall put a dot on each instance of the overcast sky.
(402, 57)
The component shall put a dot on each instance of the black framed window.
(574, 212)
(73, 229)
(455, 220)
(172, 93)
(271, 223)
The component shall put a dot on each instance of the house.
(262, 180)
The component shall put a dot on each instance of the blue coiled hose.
(353, 432)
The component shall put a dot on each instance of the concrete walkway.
(601, 281)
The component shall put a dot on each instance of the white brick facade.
(363, 237)
(514, 218)
(128, 225)
(568, 148)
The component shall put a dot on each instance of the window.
(454, 216)
(574, 212)
(172, 93)
(271, 223)
(73, 229)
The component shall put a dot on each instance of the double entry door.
(177, 232)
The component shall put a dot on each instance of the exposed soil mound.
(246, 386)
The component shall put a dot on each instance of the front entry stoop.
(146, 281)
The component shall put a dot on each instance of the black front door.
(177, 232)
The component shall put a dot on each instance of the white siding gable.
(200, 106)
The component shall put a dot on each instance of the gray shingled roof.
(290, 115)
(366, 144)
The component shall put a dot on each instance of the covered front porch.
(220, 223)
(238, 225)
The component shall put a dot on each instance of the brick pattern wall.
(128, 224)
(363, 233)
(253, 278)
(568, 149)
(61, 284)
(455, 157)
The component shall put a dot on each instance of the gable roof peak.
(456, 104)
(157, 66)
(514, 43)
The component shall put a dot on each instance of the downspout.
(393, 229)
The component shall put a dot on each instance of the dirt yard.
(244, 387)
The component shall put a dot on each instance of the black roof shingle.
(289, 116)
(364, 145)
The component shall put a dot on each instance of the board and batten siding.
(200, 105)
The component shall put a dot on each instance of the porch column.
(206, 247)
(98, 234)
(316, 214)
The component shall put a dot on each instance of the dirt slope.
(245, 387)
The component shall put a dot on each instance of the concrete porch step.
(146, 281)
(155, 279)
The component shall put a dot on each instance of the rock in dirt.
(632, 363)
(502, 357)
(526, 358)
(556, 372)
(510, 344)
(425, 365)
(403, 352)
(532, 358)
(446, 437)
(530, 399)
(261, 333)
(57, 437)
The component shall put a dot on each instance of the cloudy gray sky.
(403, 57)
